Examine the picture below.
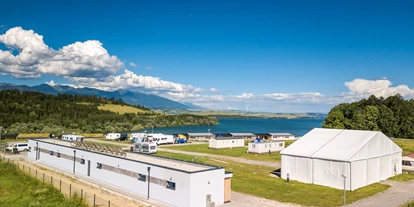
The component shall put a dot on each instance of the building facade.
(225, 142)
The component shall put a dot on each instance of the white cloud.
(361, 88)
(245, 96)
(231, 108)
(148, 68)
(214, 90)
(310, 97)
(132, 64)
(80, 59)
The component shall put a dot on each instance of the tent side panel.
(387, 167)
(373, 170)
(298, 168)
(329, 173)
(397, 163)
(358, 174)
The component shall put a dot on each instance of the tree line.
(394, 116)
(35, 112)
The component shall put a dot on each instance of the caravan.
(113, 136)
(161, 138)
(143, 145)
(137, 135)
(72, 137)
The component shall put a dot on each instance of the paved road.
(398, 194)
(253, 162)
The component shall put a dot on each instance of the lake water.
(297, 127)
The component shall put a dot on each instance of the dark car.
(124, 136)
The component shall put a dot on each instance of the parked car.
(181, 141)
(124, 136)
(20, 147)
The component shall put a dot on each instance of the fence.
(3, 146)
(65, 188)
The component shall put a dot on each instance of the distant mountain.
(136, 98)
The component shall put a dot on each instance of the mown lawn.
(406, 144)
(235, 152)
(257, 181)
(402, 177)
(18, 189)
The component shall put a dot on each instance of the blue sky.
(283, 56)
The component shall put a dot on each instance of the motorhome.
(161, 138)
(137, 135)
(72, 137)
(113, 136)
(145, 146)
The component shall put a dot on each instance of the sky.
(268, 56)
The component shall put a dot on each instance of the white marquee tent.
(323, 156)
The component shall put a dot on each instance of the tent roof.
(335, 144)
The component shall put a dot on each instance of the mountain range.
(135, 98)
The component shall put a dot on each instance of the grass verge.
(18, 189)
(258, 181)
(402, 177)
(410, 204)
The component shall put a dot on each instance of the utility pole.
(1, 128)
(344, 176)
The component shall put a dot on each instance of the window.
(153, 147)
(280, 144)
(99, 165)
(233, 141)
(82, 161)
(142, 177)
(253, 145)
(265, 145)
(407, 163)
(51, 153)
(170, 185)
(58, 154)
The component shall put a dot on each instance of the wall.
(299, 168)
(213, 187)
(124, 173)
(264, 147)
(278, 137)
(228, 143)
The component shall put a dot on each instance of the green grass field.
(402, 177)
(410, 204)
(406, 144)
(235, 152)
(120, 109)
(18, 189)
(258, 181)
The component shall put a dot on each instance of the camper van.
(72, 137)
(161, 138)
(144, 146)
(113, 136)
(137, 135)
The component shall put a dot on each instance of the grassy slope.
(18, 189)
(406, 144)
(120, 109)
(256, 180)
(402, 177)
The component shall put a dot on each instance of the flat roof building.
(173, 182)
(225, 142)
(200, 135)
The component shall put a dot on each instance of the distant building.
(282, 136)
(260, 147)
(243, 135)
(199, 135)
(225, 142)
(263, 136)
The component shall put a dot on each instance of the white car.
(20, 147)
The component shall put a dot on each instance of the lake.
(297, 127)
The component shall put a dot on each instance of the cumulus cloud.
(362, 88)
(80, 59)
(132, 64)
(214, 90)
(245, 96)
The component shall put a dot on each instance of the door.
(89, 168)
(227, 190)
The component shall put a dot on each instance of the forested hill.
(394, 116)
(28, 112)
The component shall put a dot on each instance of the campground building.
(199, 135)
(225, 142)
(282, 136)
(260, 147)
(172, 182)
(243, 135)
(326, 156)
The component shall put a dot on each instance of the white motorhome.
(20, 147)
(113, 136)
(72, 137)
(161, 138)
(137, 135)
(145, 146)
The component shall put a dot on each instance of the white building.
(282, 136)
(225, 142)
(265, 147)
(323, 156)
(408, 162)
(113, 136)
(172, 182)
(199, 135)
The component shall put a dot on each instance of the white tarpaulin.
(323, 156)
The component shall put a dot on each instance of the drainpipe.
(149, 179)
(37, 150)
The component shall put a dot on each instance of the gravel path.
(398, 194)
